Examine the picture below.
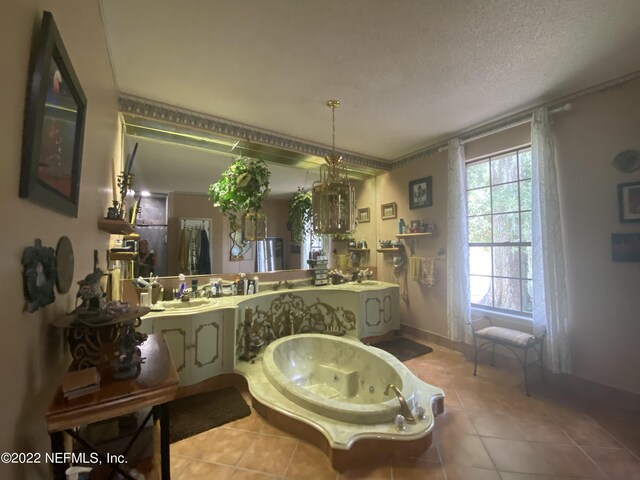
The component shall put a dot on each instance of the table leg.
(165, 460)
(57, 446)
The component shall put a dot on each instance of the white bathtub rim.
(340, 435)
(343, 411)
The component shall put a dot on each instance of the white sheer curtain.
(549, 288)
(458, 290)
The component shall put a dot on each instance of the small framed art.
(629, 202)
(389, 210)
(364, 215)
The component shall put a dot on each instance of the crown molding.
(214, 125)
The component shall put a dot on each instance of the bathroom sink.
(370, 283)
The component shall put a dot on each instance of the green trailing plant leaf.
(300, 216)
(241, 188)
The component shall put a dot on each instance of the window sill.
(501, 319)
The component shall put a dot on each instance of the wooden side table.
(156, 385)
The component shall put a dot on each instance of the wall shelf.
(413, 239)
(126, 256)
(413, 235)
(358, 249)
(388, 250)
(115, 227)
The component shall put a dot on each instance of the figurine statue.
(91, 294)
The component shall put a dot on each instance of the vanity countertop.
(200, 305)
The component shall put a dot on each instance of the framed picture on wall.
(389, 210)
(420, 193)
(625, 247)
(629, 202)
(364, 215)
(54, 126)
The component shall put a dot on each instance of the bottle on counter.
(255, 284)
(245, 284)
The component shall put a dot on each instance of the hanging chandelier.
(333, 197)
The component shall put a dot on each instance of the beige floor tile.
(538, 429)
(451, 399)
(464, 450)
(461, 472)
(269, 429)
(454, 421)
(617, 463)
(476, 434)
(497, 425)
(268, 454)
(526, 476)
(567, 460)
(223, 445)
(414, 469)
(177, 464)
(240, 474)
(252, 423)
(376, 471)
(515, 456)
(479, 401)
(309, 461)
(431, 454)
(198, 470)
(587, 433)
(517, 403)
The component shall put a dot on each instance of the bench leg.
(542, 360)
(524, 367)
(475, 356)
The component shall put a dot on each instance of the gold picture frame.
(389, 210)
(364, 215)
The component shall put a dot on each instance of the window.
(499, 215)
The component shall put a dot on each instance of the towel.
(415, 267)
(115, 284)
(204, 266)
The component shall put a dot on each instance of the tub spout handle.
(405, 411)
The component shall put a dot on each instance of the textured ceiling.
(408, 72)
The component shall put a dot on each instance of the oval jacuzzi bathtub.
(337, 377)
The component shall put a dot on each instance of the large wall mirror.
(173, 168)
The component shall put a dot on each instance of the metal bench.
(510, 339)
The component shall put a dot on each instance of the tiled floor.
(490, 431)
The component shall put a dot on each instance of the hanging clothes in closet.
(194, 255)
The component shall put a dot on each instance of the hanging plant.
(300, 216)
(241, 188)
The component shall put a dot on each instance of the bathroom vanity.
(205, 336)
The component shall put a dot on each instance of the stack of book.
(81, 382)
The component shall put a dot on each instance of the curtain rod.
(527, 116)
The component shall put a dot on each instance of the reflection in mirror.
(239, 246)
(181, 167)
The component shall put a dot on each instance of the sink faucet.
(405, 411)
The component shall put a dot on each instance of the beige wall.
(32, 353)
(421, 307)
(185, 205)
(604, 304)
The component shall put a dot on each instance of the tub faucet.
(405, 411)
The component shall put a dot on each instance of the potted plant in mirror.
(300, 216)
(240, 191)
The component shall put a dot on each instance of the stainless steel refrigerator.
(269, 254)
